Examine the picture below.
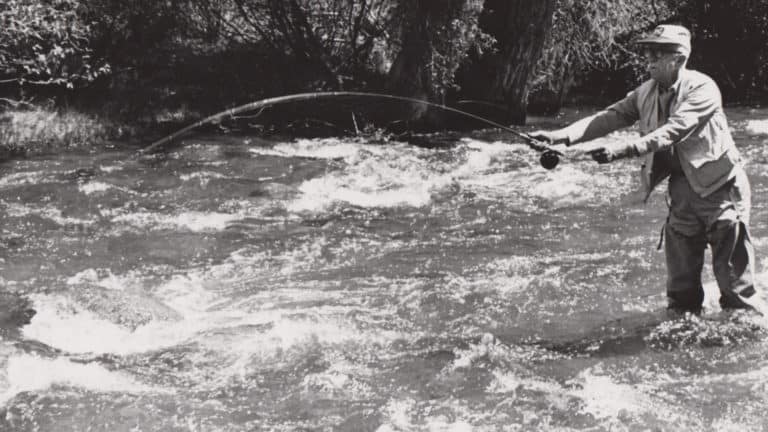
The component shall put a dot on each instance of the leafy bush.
(730, 43)
(447, 31)
(594, 36)
(46, 42)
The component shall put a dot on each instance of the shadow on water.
(662, 330)
(16, 311)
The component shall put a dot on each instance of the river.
(238, 283)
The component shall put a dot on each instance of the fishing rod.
(549, 158)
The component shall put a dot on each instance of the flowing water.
(239, 284)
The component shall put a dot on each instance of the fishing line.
(549, 158)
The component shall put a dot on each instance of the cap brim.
(657, 40)
(654, 40)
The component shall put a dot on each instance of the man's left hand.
(611, 152)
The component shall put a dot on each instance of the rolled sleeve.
(693, 112)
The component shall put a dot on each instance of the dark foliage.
(150, 61)
(730, 43)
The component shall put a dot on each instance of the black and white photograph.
(383, 215)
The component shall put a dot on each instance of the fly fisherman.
(684, 136)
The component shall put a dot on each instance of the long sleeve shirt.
(695, 126)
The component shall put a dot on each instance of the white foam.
(605, 398)
(191, 221)
(65, 325)
(402, 415)
(31, 373)
(111, 168)
(484, 156)
(274, 336)
(89, 188)
(485, 171)
(50, 213)
(398, 175)
(397, 416)
(101, 277)
(599, 394)
(92, 187)
(386, 176)
(319, 194)
(189, 294)
(339, 380)
(204, 177)
(570, 185)
(330, 148)
(756, 127)
(22, 178)
(287, 332)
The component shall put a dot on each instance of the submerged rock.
(129, 307)
(15, 311)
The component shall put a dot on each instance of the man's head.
(666, 51)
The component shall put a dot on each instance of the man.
(684, 136)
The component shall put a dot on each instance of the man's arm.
(698, 107)
(619, 115)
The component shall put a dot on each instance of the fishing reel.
(549, 159)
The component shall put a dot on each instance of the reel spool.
(549, 159)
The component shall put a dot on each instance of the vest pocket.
(709, 173)
(707, 144)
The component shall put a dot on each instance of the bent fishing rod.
(549, 159)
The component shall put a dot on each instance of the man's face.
(663, 63)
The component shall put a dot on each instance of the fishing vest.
(707, 154)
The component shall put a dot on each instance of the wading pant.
(719, 220)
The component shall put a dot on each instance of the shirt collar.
(674, 87)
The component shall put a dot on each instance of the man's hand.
(611, 152)
(550, 137)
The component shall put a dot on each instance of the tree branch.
(15, 103)
(655, 10)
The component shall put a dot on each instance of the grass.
(40, 130)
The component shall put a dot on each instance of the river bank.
(40, 130)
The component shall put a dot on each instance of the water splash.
(51, 213)
(189, 221)
(330, 148)
(405, 414)
(27, 373)
(96, 187)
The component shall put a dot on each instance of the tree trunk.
(567, 78)
(520, 27)
(410, 75)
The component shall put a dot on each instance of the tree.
(411, 48)
(730, 43)
(132, 33)
(591, 37)
(46, 43)
(504, 74)
(431, 41)
(334, 40)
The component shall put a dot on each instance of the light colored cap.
(669, 34)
